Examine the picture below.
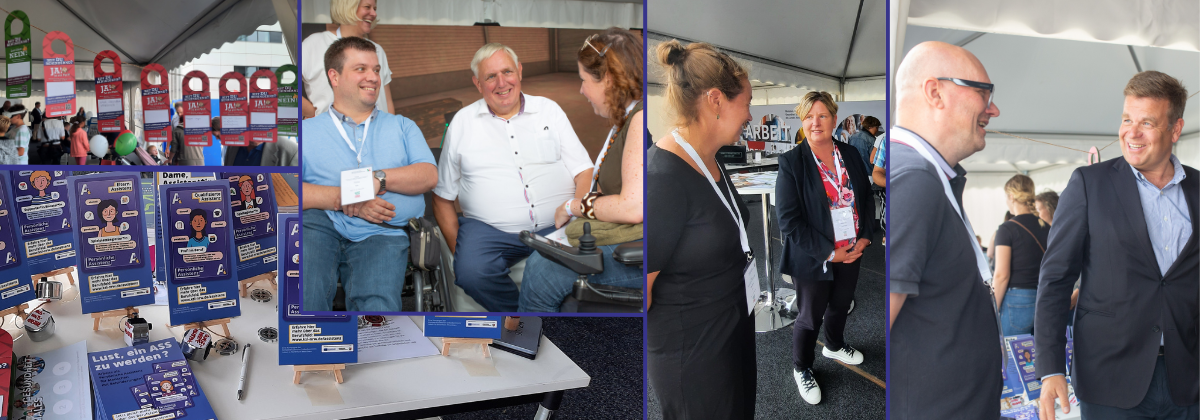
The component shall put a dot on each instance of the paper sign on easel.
(197, 122)
(19, 57)
(252, 199)
(288, 116)
(110, 230)
(156, 105)
(202, 278)
(234, 110)
(43, 220)
(16, 285)
(263, 107)
(110, 101)
(59, 72)
(308, 339)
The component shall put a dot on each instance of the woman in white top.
(354, 18)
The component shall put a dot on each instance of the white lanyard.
(728, 204)
(837, 164)
(898, 136)
(604, 148)
(345, 137)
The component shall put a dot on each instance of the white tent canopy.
(809, 45)
(568, 14)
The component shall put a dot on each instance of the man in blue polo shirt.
(363, 243)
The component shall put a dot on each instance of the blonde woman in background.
(354, 18)
(1020, 244)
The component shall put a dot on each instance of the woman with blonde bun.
(1020, 244)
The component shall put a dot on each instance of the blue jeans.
(1016, 313)
(482, 259)
(368, 269)
(546, 283)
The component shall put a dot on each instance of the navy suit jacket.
(1125, 303)
(803, 210)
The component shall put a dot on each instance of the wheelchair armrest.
(424, 247)
(629, 253)
(584, 291)
(575, 259)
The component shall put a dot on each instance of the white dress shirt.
(316, 84)
(511, 174)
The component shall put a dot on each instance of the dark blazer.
(1125, 304)
(803, 209)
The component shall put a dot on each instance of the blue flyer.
(126, 383)
(16, 285)
(150, 214)
(464, 326)
(308, 339)
(252, 198)
(109, 225)
(202, 282)
(40, 201)
(160, 252)
(1023, 351)
(1012, 376)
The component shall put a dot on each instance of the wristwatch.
(382, 177)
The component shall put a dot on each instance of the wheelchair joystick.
(587, 242)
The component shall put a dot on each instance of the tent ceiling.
(813, 35)
(1061, 91)
(169, 35)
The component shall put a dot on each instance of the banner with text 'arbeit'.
(263, 107)
(156, 105)
(19, 59)
(110, 102)
(59, 72)
(234, 110)
(197, 125)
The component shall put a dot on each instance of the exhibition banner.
(196, 119)
(156, 105)
(43, 221)
(202, 279)
(59, 73)
(110, 101)
(18, 57)
(288, 117)
(234, 110)
(16, 285)
(263, 107)
(308, 339)
(252, 198)
(110, 228)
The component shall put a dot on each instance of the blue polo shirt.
(394, 141)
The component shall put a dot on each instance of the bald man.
(946, 349)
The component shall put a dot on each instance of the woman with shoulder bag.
(1020, 245)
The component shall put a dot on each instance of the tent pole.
(850, 51)
(1133, 55)
(285, 10)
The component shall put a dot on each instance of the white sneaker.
(809, 390)
(847, 355)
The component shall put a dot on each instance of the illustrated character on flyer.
(246, 187)
(167, 388)
(40, 181)
(198, 221)
(107, 209)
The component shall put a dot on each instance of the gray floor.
(847, 394)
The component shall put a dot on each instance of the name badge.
(358, 185)
(753, 289)
(843, 223)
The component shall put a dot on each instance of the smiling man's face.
(1146, 132)
(499, 82)
(358, 81)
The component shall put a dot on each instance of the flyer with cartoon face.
(43, 221)
(202, 279)
(16, 285)
(310, 339)
(252, 198)
(109, 221)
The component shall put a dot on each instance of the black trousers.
(1156, 405)
(822, 302)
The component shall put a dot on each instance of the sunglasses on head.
(588, 43)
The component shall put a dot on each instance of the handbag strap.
(1035, 239)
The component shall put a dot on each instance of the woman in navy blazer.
(818, 179)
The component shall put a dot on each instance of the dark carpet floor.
(846, 394)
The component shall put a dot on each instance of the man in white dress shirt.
(510, 160)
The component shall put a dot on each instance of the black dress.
(700, 337)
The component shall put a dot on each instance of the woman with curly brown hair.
(610, 65)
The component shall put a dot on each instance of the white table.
(769, 313)
(762, 164)
(425, 383)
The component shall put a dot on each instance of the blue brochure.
(40, 199)
(308, 339)
(202, 282)
(252, 198)
(1023, 352)
(146, 381)
(16, 287)
(464, 326)
(109, 226)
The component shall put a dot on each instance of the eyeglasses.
(588, 43)
(991, 88)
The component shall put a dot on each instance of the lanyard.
(604, 149)
(703, 168)
(837, 164)
(898, 136)
(339, 32)
(345, 137)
